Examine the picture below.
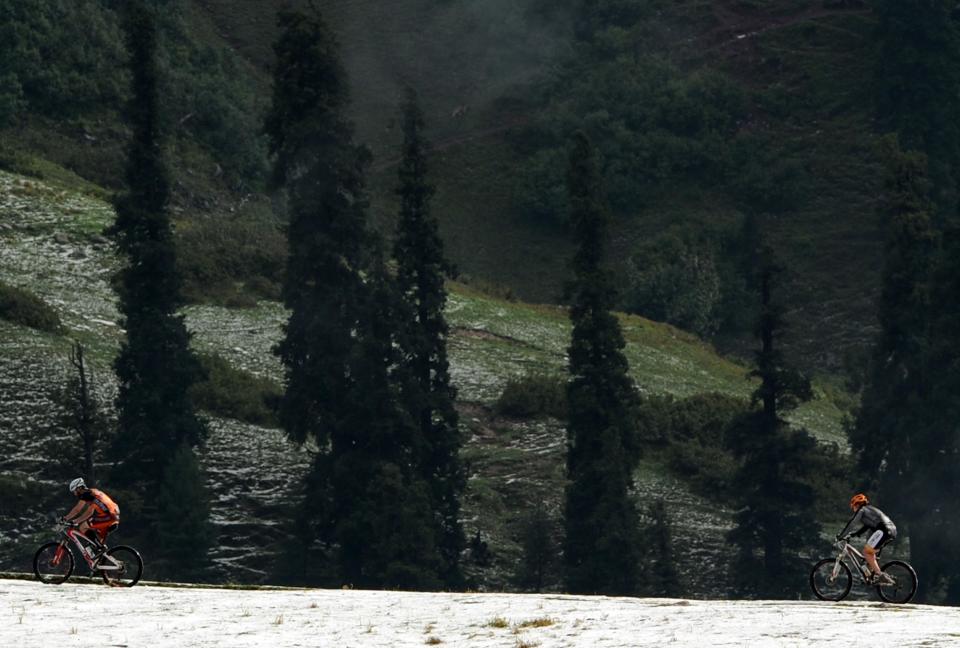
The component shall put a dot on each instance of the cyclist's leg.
(100, 529)
(870, 550)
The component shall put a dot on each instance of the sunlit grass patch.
(541, 622)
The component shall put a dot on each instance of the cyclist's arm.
(856, 519)
(75, 511)
(80, 513)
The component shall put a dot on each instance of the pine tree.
(344, 379)
(664, 581)
(421, 269)
(897, 389)
(905, 436)
(184, 535)
(155, 367)
(776, 500)
(602, 534)
(918, 85)
(539, 550)
(933, 516)
(323, 174)
(385, 525)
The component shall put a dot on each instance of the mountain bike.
(120, 566)
(831, 577)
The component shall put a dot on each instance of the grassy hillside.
(51, 246)
(804, 67)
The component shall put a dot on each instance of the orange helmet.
(858, 500)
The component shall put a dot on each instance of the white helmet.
(77, 483)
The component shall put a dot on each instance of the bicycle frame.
(850, 552)
(87, 548)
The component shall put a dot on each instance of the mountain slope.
(805, 67)
(51, 246)
(483, 69)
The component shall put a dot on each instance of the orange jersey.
(104, 508)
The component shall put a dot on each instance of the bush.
(677, 281)
(21, 495)
(215, 255)
(534, 396)
(66, 59)
(232, 393)
(693, 433)
(653, 124)
(22, 307)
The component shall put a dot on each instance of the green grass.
(33, 166)
(511, 463)
(517, 338)
(469, 54)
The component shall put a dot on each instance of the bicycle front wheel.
(825, 586)
(903, 583)
(53, 563)
(121, 566)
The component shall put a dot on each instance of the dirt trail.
(734, 28)
(737, 28)
(457, 140)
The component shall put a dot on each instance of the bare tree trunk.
(85, 420)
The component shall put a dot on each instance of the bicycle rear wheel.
(122, 566)
(904, 584)
(827, 588)
(53, 563)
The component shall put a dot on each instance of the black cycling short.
(879, 538)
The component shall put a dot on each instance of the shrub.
(20, 494)
(533, 396)
(236, 394)
(22, 307)
(215, 255)
(653, 124)
(693, 432)
(676, 281)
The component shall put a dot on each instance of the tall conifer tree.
(365, 498)
(933, 517)
(906, 437)
(664, 581)
(183, 529)
(601, 549)
(898, 382)
(155, 367)
(773, 480)
(918, 85)
(421, 270)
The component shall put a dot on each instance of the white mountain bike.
(831, 578)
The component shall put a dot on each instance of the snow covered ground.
(36, 615)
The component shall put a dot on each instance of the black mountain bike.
(53, 563)
(831, 578)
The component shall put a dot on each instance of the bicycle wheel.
(121, 567)
(53, 563)
(904, 584)
(827, 588)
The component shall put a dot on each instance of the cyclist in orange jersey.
(95, 513)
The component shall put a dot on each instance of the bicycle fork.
(58, 555)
